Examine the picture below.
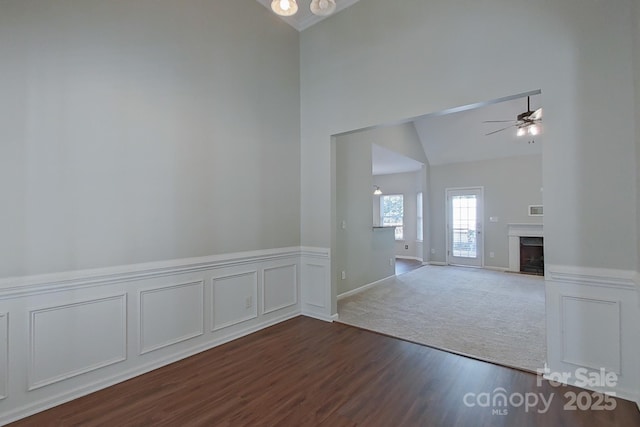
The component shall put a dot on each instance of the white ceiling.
(461, 136)
(385, 162)
(304, 18)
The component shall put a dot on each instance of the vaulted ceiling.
(460, 135)
(386, 162)
(453, 137)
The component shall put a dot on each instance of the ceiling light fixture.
(377, 191)
(532, 129)
(284, 7)
(322, 7)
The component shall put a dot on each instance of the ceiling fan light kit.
(527, 123)
(528, 129)
(284, 7)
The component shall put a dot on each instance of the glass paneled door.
(464, 227)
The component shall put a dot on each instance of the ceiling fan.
(526, 123)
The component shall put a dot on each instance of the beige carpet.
(493, 316)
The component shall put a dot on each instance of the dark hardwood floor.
(406, 265)
(305, 372)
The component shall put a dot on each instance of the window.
(392, 213)
(419, 234)
(464, 211)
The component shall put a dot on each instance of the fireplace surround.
(515, 232)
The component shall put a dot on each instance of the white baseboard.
(621, 393)
(362, 288)
(436, 263)
(322, 317)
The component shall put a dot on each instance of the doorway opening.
(476, 186)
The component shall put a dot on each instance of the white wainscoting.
(316, 283)
(593, 322)
(4, 354)
(76, 332)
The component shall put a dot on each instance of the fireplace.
(532, 255)
(527, 231)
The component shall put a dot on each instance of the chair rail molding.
(590, 276)
(46, 283)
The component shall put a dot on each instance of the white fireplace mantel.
(515, 231)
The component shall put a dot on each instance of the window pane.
(399, 233)
(464, 226)
(419, 234)
(392, 213)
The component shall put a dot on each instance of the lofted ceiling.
(461, 136)
(386, 162)
(304, 18)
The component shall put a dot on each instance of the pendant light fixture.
(323, 7)
(377, 191)
(284, 7)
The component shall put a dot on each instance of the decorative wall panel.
(234, 299)
(280, 288)
(591, 333)
(170, 315)
(72, 339)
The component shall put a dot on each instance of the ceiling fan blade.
(498, 121)
(536, 115)
(500, 130)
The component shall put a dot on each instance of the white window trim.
(402, 239)
(419, 217)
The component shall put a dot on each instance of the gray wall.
(636, 56)
(425, 57)
(359, 250)
(145, 130)
(510, 186)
